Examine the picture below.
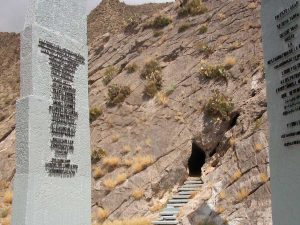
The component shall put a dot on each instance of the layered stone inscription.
(64, 64)
(288, 64)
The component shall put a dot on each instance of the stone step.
(191, 185)
(188, 189)
(171, 209)
(158, 222)
(195, 178)
(193, 182)
(168, 218)
(178, 201)
(167, 213)
(182, 193)
(181, 196)
(176, 204)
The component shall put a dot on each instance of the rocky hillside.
(179, 88)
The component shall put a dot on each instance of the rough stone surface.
(236, 176)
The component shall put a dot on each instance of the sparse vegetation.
(222, 195)
(213, 72)
(258, 147)
(150, 68)
(171, 89)
(242, 194)
(131, 221)
(8, 197)
(229, 62)
(102, 214)
(157, 206)
(219, 106)
(184, 27)
(235, 176)
(205, 49)
(109, 184)
(157, 33)
(121, 178)
(132, 68)
(192, 8)
(263, 177)
(117, 94)
(98, 173)
(161, 99)
(111, 161)
(115, 138)
(141, 162)
(95, 112)
(126, 149)
(257, 124)
(97, 154)
(202, 29)
(159, 22)
(148, 142)
(138, 194)
(109, 74)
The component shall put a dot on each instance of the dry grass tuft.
(157, 206)
(222, 195)
(121, 178)
(102, 214)
(126, 149)
(8, 197)
(98, 173)
(205, 49)
(109, 184)
(132, 68)
(117, 94)
(6, 221)
(111, 161)
(258, 147)
(109, 74)
(242, 194)
(97, 154)
(192, 8)
(138, 194)
(263, 178)
(127, 162)
(219, 209)
(148, 142)
(236, 175)
(141, 162)
(115, 138)
(161, 99)
(229, 62)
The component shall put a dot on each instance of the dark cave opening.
(196, 161)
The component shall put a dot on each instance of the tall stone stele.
(52, 185)
(281, 43)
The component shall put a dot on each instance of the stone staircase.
(169, 214)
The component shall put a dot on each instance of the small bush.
(263, 177)
(138, 194)
(98, 173)
(95, 113)
(141, 162)
(202, 29)
(150, 68)
(126, 149)
(204, 49)
(109, 74)
(229, 62)
(219, 106)
(236, 175)
(192, 8)
(115, 138)
(184, 27)
(258, 147)
(242, 194)
(157, 33)
(121, 178)
(109, 184)
(117, 94)
(159, 22)
(157, 206)
(8, 197)
(161, 99)
(213, 72)
(127, 162)
(98, 154)
(111, 161)
(132, 68)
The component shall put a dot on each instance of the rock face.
(148, 142)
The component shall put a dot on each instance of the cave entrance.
(196, 161)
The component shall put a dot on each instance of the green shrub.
(98, 154)
(219, 106)
(192, 8)
(95, 113)
(109, 74)
(158, 23)
(117, 94)
(202, 30)
(152, 73)
(150, 68)
(132, 68)
(204, 49)
(213, 72)
(157, 33)
(184, 27)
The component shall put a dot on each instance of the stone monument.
(281, 43)
(52, 185)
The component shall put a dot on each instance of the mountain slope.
(211, 101)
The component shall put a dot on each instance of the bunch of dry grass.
(98, 173)
(137, 194)
(141, 162)
(8, 197)
(111, 161)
